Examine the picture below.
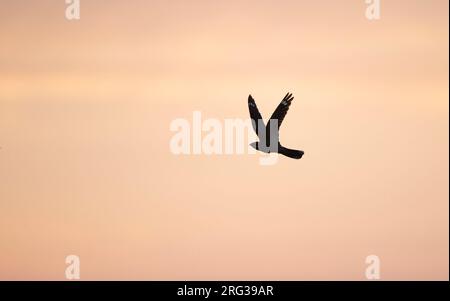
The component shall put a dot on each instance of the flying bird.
(258, 126)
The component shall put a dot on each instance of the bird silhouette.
(271, 129)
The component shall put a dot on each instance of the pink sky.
(86, 168)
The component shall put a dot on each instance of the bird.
(258, 125)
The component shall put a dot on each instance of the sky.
(86, 168)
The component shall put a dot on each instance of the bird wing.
(254, 113)
(282, 109)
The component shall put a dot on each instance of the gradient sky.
(86, 169)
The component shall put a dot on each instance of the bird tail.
(291, 153)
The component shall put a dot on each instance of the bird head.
(254, 145)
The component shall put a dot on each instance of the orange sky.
(86, 169)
